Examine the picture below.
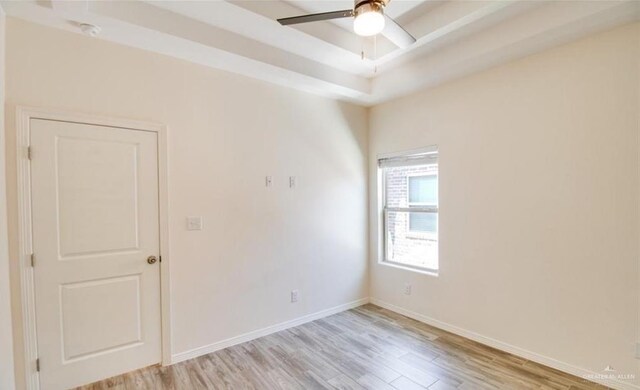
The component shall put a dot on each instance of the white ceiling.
(454, 38)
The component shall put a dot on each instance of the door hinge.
(38, 364)
(33, 260)
(160, 259)
(28, 152)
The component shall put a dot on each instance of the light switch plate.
(194, 223)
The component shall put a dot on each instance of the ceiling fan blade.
(396, 34)
(316, 17)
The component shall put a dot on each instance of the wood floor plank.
(283, 380)
(372, 382)
(343, 382)
(404, 383)
(365, 348)
(421, 377)
(440, 385)
(443, 375)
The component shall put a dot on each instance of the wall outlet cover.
(294, 296)
(194, 223)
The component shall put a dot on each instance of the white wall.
(6, 337)
(539, 202)
(226, 133)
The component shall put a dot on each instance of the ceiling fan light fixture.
(369, 19)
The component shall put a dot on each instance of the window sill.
(405, 267)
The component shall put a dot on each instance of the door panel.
(97, 202)
(112, 304)
(95, 222)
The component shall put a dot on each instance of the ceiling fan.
(369, 19)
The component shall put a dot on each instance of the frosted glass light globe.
(369, 23)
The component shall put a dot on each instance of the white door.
(95, 223)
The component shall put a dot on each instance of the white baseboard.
(544, 360)
(243, 338)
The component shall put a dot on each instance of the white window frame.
(408, 156)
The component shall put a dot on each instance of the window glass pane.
(423, 189)
(399, 179)
(423, 222)
(411, 237)
(406, 247)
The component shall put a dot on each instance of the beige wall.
(539, 202)
(226, 133)
(6, 342)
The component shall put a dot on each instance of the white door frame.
(23, 132)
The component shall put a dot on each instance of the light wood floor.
(364, 348)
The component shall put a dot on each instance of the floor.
(364, 348)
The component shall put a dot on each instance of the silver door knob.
(151, 259)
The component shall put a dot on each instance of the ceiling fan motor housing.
(362, 6)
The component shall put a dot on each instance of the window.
(410, 209)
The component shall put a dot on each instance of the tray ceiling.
(454, 38)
